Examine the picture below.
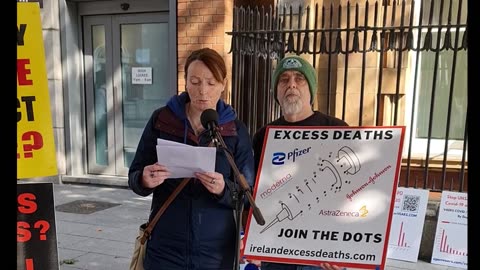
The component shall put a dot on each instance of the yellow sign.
(35, 142)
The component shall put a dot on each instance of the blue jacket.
(197, 230)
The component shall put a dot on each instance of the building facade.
(111, 63)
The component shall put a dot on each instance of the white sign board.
(450, 246)
(142, 75)
(407, 224)
(326, 195)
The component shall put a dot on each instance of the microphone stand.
(237, 196)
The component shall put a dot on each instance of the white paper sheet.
(184, 160)
(172, 143)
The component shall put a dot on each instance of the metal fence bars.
(379, 63)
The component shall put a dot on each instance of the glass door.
(127, 77)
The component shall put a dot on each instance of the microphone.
(209, 119)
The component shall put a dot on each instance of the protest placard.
(451, 237)
(326, 195)
(35, 141)
(407, 224)
(36, 230)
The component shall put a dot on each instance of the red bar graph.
(401, 237)
(446, 248)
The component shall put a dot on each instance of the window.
(441, 100)
(438, 79)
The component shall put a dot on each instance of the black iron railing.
(413, 53)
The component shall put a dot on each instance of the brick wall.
(453, 180)
(203, 23)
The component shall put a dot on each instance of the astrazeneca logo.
(279, 157)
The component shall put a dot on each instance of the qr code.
(410, 203)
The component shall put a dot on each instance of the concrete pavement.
(96, 227)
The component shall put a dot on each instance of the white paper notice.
(142, 75)
(184, 160)
(407, 224)
(450, 247)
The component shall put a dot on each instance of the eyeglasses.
(299, 79)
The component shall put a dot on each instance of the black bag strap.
(162, 209)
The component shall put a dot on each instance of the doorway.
(126, 78)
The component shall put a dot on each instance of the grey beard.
(292, 107)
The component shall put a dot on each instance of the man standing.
(295, 85)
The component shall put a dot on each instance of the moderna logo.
(279, 157)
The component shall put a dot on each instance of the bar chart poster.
(450, 246)
(407, 224)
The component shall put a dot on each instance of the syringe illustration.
(283, 214)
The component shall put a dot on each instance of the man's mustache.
(291, 91)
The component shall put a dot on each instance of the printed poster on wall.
(326, 195)
(36, 231)
(35, 141)
(406, 229)
(450, 245)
